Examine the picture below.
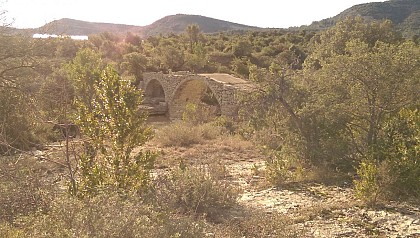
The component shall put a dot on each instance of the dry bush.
(209, 131)
(178, 134)
(197, 191)
(257, 223)
(9, 231)
(23, 189)
(237, 143)
(186, 134)
(109, 215)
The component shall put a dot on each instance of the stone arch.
(155, 98)
(154, 89)
(195, 91)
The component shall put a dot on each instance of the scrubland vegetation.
(330, 106)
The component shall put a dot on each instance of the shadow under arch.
(154, 99)
(197, 92)
(154, 89)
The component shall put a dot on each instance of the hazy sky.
(262, 13)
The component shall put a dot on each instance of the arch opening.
(154, 101)
(197, 93)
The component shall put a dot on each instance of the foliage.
(19, 57)
(400, 148)
(15, 121)
(368, 187)
(107, 114)
(367, 97)
(396, 173)
(200, 113)
(135, 64)
(280, 122)
(333, 111)
(171, 57)
(282, 166)
(192, 32)
(402, 13)
(334, 40)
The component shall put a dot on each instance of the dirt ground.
(317, 209)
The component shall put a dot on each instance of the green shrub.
(395, 171)
(400, 149)
(367, 187)
(197, 191)
(107, 114)
(202, 112)
(228, 125)
(282, 166)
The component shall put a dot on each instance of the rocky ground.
(317, 209)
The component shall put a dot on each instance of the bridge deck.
(238, 83)
(225, 78)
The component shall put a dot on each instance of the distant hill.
(178, 23)
(169, 24)
(405, 14)
(76, 27)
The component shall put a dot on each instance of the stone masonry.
(169, 93)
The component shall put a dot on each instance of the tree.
(333, 114)
(242, 49)
(334, 40)
(133, 39)
(172, 57)
(193, 32)
(19, 57)
(196, 61)
(111, 125)
(135, 64)
(369, 85)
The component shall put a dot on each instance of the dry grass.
(186, 134)
(257, 223)
(197, 191)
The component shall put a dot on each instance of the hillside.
(76, 27)
(178, 23)
(405, 14)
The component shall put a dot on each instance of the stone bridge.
(168, 94)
